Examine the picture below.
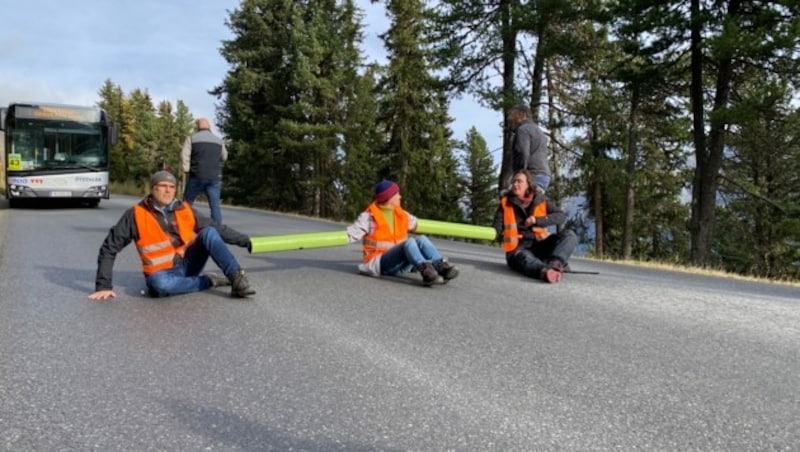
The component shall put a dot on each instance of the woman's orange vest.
(154, 244)
(511, 234)
(383, 238)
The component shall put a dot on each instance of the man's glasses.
(164, 186)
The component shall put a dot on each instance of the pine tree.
(479, 179)
(362, 138)
(413, 111)
(321, 66)
(114, 101)
(284, 101)
(143, 158)
(759, 221)
(258, 171)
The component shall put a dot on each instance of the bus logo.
(88, 179)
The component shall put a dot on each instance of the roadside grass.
(128, 188)
(696, 270)
(140, 188)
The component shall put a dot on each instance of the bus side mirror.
(114, 134)
(3, 118)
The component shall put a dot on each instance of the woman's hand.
(102, 295)
(530, 221)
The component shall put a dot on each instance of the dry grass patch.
(698, 270)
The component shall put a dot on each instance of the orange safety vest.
(383, 238)
(154, 245)
(511, 234)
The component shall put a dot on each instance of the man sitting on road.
(174, 243)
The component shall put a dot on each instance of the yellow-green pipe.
(444, 228)
(290, 242)
(269, 244)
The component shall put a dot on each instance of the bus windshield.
(48, 144)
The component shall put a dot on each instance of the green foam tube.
(269, 244)
(467, 231)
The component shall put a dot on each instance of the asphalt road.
(325, 359)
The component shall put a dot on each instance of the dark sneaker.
(550, 275)
(447, 270)
(241, 286)
(429, 274)
(217, 280)
(556, 264)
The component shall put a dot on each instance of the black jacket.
(125, 232)
(555, 217)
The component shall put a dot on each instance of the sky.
(63, 52)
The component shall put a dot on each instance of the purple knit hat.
(385, 190)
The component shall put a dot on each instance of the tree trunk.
(555, 163)
(597, 197)
(509, 37)
(630, 170)
(708, 159)
(538, 76)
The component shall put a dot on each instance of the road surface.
(325, 359)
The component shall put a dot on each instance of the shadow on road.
(47, 204)
(125, 282)
(235, 432)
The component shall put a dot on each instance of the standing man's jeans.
(185, 277)
(542, 181)
(213, 191)
(409, 255)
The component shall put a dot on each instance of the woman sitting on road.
(388, 250)
(521, 223)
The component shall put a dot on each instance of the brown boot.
(241, 286)
(429, 274)
(447, 270)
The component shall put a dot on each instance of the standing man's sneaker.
(447, 270)
(217, 280)
(429, 274)
(241, 286)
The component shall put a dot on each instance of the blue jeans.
(213, 191)
(542, 181)
(185, 276)
(409, 255)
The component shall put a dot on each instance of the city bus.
(55, 151)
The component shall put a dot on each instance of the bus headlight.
(20, 190)
(99, 190)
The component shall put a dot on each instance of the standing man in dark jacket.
(529, 146)
(174, 243)
(202, 156)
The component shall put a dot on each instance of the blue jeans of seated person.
(213, 191)
(185, 276)
(409, 255)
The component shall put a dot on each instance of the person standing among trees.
(202, 156)
(529, 146)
